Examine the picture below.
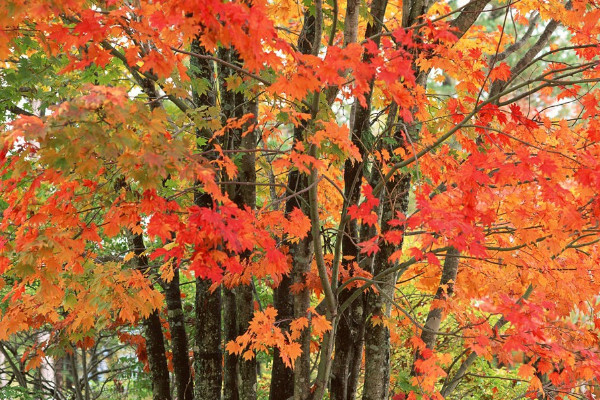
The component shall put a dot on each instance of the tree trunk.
(296, 384)
(434, 317)
(239, 372)
(351, 328)
(377, 335)
(155, 348)
(246, 369)
(153, 334)
(208, 356)
(282, 377)
(179, 341)
(230, 385)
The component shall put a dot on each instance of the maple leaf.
(526, 371)
(370, 246)
(233, 347)
(320, 324)
(501, 72)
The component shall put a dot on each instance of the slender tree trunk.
(155, 344)
(155, 348)
(230, 385)
(76, 381)
(181, 360)
(282, 377)
(239, 308)
(395, 198)
(351, 328)
(208, 356)
(246, 369)
(153, 334)
(284, 384)
(377, 335)
(434, 317)
(207, 353)
(452, 382)
(302, 252)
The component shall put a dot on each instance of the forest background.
(299, 199)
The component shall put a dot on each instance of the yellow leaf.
(166, 271)
(129, 256)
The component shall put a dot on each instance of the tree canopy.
(255, 199)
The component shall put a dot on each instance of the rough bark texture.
(246, 369)
(468, 16)
(208, 356)
(434, 318)
(351, 21)
(378, 305)
(350, 334)
(230, 391)
(153, 334)
(413, 10)
(240, 374)
(282, 377)
(302, 252)
(286, 383)
(179, 341)
(155, 348)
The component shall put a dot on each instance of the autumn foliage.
(373, 199)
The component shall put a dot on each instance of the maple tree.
(373, 199)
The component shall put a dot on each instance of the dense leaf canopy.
(374, 198)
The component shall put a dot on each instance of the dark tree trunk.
(208, 356)
(240, 374)
(155, 348)
(155, 345)
(378, 305)
(351, 328)
(282, 377)
(230, 387)
(284, 383)
(246, 369)
(179, 341)
(153, 334)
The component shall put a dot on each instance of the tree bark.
(179, 341)
(153, 334)
(246, 369)
(285, 383)
(282, 377)
(239, 372)
(155, 348)
(434, 318)
(378, 308)
(230, 385)
(349, 339)
(208, 355)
